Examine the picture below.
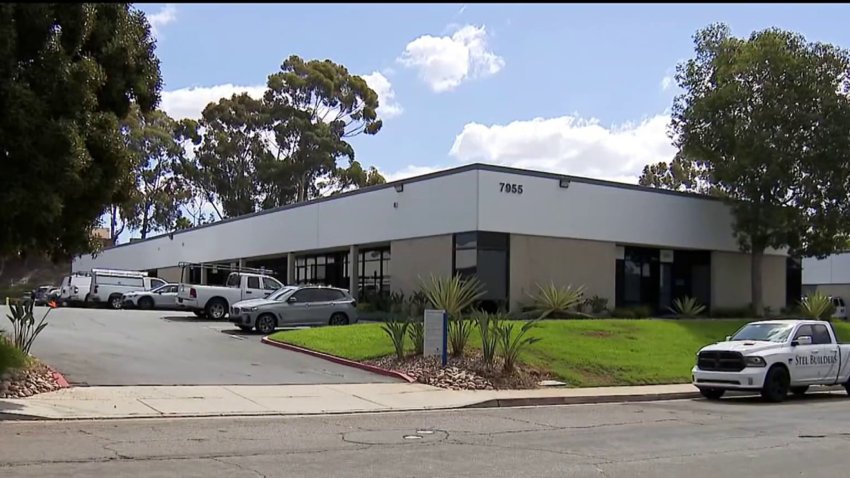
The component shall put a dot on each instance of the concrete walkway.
(247, 400)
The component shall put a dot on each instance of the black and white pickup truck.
(774, 357)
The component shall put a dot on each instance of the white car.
(773, 357)
(163, 298)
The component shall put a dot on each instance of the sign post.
(436, 335)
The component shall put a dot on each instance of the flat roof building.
(511, 228)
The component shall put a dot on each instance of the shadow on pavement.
(193, 319)
(810, 398)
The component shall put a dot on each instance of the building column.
(354, 271)
(203, 274)
(241, 263)
(290, 268)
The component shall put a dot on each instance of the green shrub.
(24, 328)
(687, 307)
(555, 301)
(597, 304)
(817, 306)
(454, 295)
(635, 312)
(10, 357)
(397, 330)
(488, 325)
(512, 344)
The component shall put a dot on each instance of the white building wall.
(603, 213)
(834, 269)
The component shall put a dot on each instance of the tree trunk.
(757, 256)
(145, 225)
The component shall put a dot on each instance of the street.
(133, 347)
(693, 438)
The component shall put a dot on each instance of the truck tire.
(216, 308)
(115, 301)
(800, 391)
(776, 384)
(712, 393)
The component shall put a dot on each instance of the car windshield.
(161, 288)
(278, 294)
(764, 332)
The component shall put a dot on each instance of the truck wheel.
(266, 324)
(712, 393)
(800, 391)
(216, 309)
(115, 301)
(776, 384)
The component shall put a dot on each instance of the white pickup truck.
(773, 357)
(214, 301)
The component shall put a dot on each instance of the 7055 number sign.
(510, 188)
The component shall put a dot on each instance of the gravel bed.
(27, 382)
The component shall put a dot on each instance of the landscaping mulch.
(462, 373)
(35, 379)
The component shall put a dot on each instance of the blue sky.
(576, 89)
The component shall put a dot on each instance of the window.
(484, 255)
(155, 283)
(330, 295)
(271, 284)
(308, 295)
(253, 282)
(820, 336)
(171, 289)
(804, 330)
(233, 280)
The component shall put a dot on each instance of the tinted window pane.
(493, 274)
(271, 284)
(331, 295)
(253, 282)
(803, 331)
(466, 240)
(820, 335)
(492, 240)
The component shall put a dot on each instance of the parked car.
(299, 305)
(109, 286)
(75, 288)
(40, 295)
(773, 357)
(840, 309)
(215, 301)
(164, 297)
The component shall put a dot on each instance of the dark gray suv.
(296, 305)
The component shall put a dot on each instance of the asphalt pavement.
(132, 347)
(693, 438)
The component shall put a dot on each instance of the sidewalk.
(241, 400)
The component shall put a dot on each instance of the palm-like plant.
(487, 327)
(512, 344)
(817, 306)
(454, 295)
(24, 328)
(686, 307)
(553, 300)
(396, 330)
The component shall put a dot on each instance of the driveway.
(130, 347)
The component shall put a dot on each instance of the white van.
(109, 285)
(75, 288)
(840, 308)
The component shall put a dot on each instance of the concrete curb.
(543, 401)
(339, 360)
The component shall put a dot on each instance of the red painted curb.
(59, 378)
(339, 360)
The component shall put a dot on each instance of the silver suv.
(295, 305)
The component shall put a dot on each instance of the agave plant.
(512, 344)
(487, 328)
(454, 295)
(686, 307)
(551, 300)
(397, 330)
(817, 306)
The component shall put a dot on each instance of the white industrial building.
(512, 228)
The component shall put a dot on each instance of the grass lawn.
(584, 353)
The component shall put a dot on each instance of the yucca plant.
(413, 309)
(512, 344)
(454, 295)
(24, 328)
(686, 307)
(551, 300)
(817, 306)
(397, 330)
(487, 325)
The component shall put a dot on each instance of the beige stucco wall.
(730, 280)
(420, 257)
(540, 260)
(169, 274)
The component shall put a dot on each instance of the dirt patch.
(598, 333)
(465, 373)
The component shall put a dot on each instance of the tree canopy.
(765, 123)
(68, 76)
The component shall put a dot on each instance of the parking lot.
(131, 347)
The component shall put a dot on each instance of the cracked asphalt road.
(694, 438)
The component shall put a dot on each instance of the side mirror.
(802, 340)
(728, 338)
(292, 300)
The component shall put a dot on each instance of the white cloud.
(167, 15)
(447, 61)
(411, 171)
(566, 145)
(190, 102)
(666, 82)
(388, 106)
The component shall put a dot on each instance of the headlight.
(251, 309)
(754, 361)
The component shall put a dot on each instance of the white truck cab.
(214, 301)
(773, 357)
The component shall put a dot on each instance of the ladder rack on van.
(226, 268)
(119, 273)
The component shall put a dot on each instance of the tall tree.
(68, 74)
(767, 121)
(157, 157)
(681, 174)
